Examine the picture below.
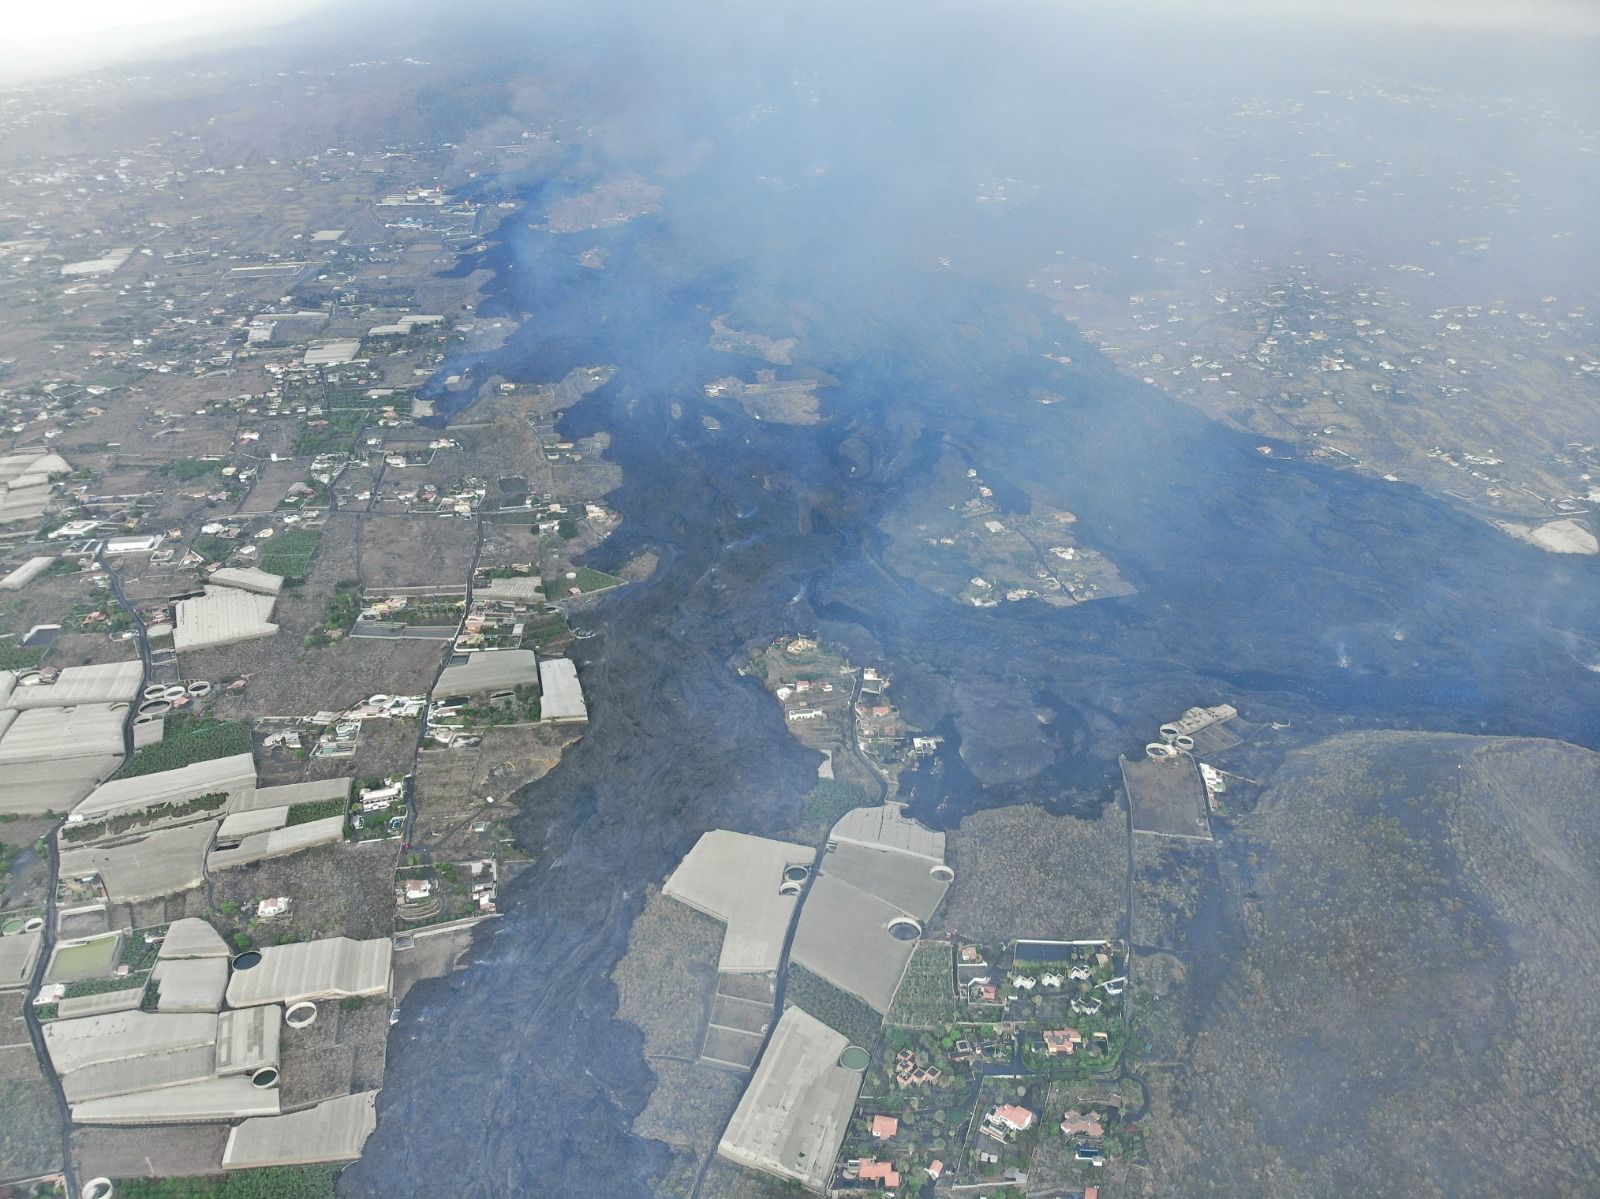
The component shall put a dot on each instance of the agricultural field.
(838, 1009)
(186, 740)
(926, 997)
(277, 1182)
(289, 553)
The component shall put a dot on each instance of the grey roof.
(164, 862)
(248, 578)
(51, 786)
(331, 353)
(278, 842)
(74, 1044)
(248, 1039)
(313, 791)
(734, 878)
(879, 868)
(51, 734)
(333, 968)
(18, 953)
(904, 881)
(527, 589)
(192, 937)
(135, 1054)
(792, 1117)
(208, 1099)
(562, 697)
(489, 670)
(191, 984)
(107, 683)
(100, 1003)
(332, 1131)
(21, 576)
(844, 937)
(222, 616)
(887, 826)
(145, 1072)
(257, 820)
(231, 775)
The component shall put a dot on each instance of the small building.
(1083, 1124)
(883, 1173)
(1009, 1115)
(884, 1127)
(1062, 1042)
(140, 544)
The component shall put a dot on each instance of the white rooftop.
(562, 697)
(334, 968)
(233, 775)
(222, 616)
(332, 1131)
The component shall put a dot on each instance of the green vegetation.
(567, 528)
(92, 957)
(101, 986)
(838, 1009)
(829, 800)
(343, 606)
(20, 657)
(590, 579)
(189, 739)
(926, 998)
(524, 708)
(429, 612)
(289, 554)
(93, 830)
(274, 1182)
(544, 629)
(211, 548)
(317, 809)
(186, 470)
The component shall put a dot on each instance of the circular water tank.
(198, 690)
(247, 960)
(855, 1058)
(796, 874)
(173, 692)
(943, 873)
(903, 928)
(300, 1014)
(33, 924)
(1169, 731)
(1158, 750)
(154, 707)
(98, 1188)
(154, 691)
(1183, 742)
(263, 1078)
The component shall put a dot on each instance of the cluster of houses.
(908, 1073)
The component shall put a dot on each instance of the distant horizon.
(80, 35)
(61, 38)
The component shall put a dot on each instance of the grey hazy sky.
(44, 35)
(38, 35)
